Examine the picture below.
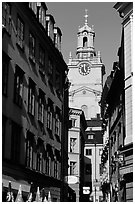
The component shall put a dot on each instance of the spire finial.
(86, 17)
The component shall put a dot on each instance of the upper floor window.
(5, 69)
(18, 86)
(73, 120)
(90, 137)
(72, 144)
(50, 115)
(85, 42)
(31, 97)
(50, 67)
(6, 16)
(20, 32)
(15, 142)
(88, 151)
(41, 101)
(42, 18)
(30, 149)
(33, 6)
(72, 167)
(58, 123)
(32, 47)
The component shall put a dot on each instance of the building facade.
(86, 80)
(34, 101)
(125, 11)
(117, 115)
(76, 142)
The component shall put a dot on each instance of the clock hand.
(84, 67)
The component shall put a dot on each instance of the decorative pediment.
(84, 89)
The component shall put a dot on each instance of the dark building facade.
(34, 101)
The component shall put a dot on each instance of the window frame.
(18, 86)
(20, 32)
(31, 97)
(32, 47)
(6, 16)
(89, 152)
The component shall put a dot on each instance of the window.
(31, 97)
(41, 56)
(50, 67)
(73, 121)
(18, 86)
(5, 69)
(30, 150)
(58, 123)
(6, 15)
(41, 101)
(88, 151)
(32, 47)
(72, 144)
(72, 168)
(4, 121)
(85, 42)
(90, 137)
(15, 142)
(50, 115)
(20, 32)
(56, 169)
(33, 6)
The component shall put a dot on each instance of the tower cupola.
(85, 42)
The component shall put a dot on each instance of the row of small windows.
(37, 158)
(44, 109)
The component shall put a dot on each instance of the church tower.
(85, 75)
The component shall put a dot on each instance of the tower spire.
(86, 17)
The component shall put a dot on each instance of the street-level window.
(20, 32)
(4, 122)
(88, 151)
(31, 97)
(18, 86)
(5, 70)
(15, 142)
(72, 167)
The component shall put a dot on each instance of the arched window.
(85, 42)
(85, 110)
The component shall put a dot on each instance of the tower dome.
(85, 42)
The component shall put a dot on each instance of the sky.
(107, 25)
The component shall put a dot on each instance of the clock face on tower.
(84, 68)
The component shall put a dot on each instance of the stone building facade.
(76, 142)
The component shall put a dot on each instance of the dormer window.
(85, 40)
